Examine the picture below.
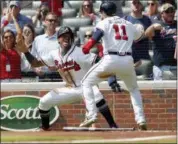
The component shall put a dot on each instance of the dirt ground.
(95, 134)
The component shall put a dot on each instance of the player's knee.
(43, 104)
(101, 103)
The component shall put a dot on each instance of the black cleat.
(142, 126)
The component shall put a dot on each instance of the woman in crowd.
(10, 60)
(152, 10)
(28, 34)
(87, 10)
(39, 18)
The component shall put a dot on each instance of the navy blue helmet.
(109, 8)
(63, 30)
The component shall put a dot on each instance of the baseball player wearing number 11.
(117, 36)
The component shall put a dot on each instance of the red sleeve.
(100, 48)
(86, 48)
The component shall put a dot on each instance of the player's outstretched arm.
(32, 60)
(97, 35)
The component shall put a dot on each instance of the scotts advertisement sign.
(20, 113)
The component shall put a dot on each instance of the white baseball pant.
(66, 95)
(123, 67)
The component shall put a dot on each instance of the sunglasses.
(169, 10)
(6, 37)
(151, 4)
(51, 20)
(88, 36)
(86, 5)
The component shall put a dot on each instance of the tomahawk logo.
(20, 113)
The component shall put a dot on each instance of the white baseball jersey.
(74, 64)
(119, 34)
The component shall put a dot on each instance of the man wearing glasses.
(8, 23)
(164, 35)
(45, 43)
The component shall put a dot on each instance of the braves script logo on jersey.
(69, 65)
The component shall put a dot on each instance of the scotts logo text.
(20, 113)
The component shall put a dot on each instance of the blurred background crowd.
(36, 22)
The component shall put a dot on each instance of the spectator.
(28, 36)
(7, 22)
(168, 1)
(87, 10)
(152, 11)
(45, 43)
(140, 49)
(25, 38)
(55, 6)
(39, 18)
(163, 34)
(10, 60)
(28, 73)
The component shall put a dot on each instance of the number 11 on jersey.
(117, 32)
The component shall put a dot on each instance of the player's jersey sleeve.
(49, 59)
(101, 25)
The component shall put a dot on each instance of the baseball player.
(72, 65)
(117, 36)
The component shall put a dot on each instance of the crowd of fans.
(158, 19)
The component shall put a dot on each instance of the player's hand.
(116, 87)
(112, 81)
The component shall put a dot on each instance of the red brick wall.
(160, 107)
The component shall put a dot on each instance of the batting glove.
(112, 81)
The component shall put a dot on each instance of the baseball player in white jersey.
(72, 65)
(117, 36)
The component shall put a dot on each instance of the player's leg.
(57, 97)
(90, 79)
(128, 75)
(103, 107)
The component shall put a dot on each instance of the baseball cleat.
(142, 126)
(88, 122)
(41, 129)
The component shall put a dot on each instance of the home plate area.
(96, 129)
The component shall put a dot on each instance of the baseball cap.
(166, 6)
(16, 3)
